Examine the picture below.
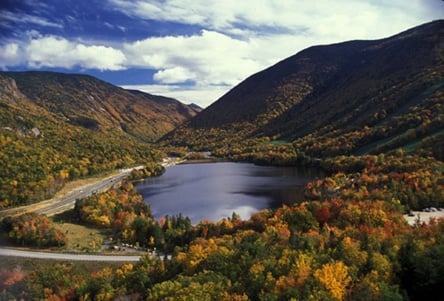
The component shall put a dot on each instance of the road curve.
(67, 257)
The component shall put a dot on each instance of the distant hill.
(347, 98)
(59, 127)
(195, 107)
(89, 102)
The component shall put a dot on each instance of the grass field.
(81, 238)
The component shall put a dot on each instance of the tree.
(334, 276)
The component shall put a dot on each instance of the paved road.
(67, 257)
(68, 201)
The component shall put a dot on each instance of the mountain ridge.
(330, 90)
(87, 101)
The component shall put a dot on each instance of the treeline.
(414, 182)
(265, 152)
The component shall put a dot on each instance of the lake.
(212, 191)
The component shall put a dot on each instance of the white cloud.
(10, 53)
(350, 19)
(174, 75)
(53, 51)
(207, 58)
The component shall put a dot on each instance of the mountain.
(195, 107)
(348, 98)
(59, 127)
(89, 102)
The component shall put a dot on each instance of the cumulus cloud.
(207, 58)
(51, 51)
(10, 55)
(174, 75)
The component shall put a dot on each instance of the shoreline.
(206, 160)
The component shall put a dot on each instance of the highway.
(66, 202)
(67, 256)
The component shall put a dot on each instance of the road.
(66, 202)
(67, 257)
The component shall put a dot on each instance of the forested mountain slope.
(348, 98)
(57, 127)
(91, 103)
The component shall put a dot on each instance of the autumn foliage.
(34, 230)
(331, 249)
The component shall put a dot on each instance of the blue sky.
(194, 50)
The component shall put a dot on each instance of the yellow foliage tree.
(64, 174)
(334, 276)
(103, 220)
(197, 252)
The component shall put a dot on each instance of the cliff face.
(9, 91)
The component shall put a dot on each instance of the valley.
(367, 115)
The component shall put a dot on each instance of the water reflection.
(212, 191)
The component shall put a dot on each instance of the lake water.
(212, 191)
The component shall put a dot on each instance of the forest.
(348, 240)
(35, 168)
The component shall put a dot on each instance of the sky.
(195, 50)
